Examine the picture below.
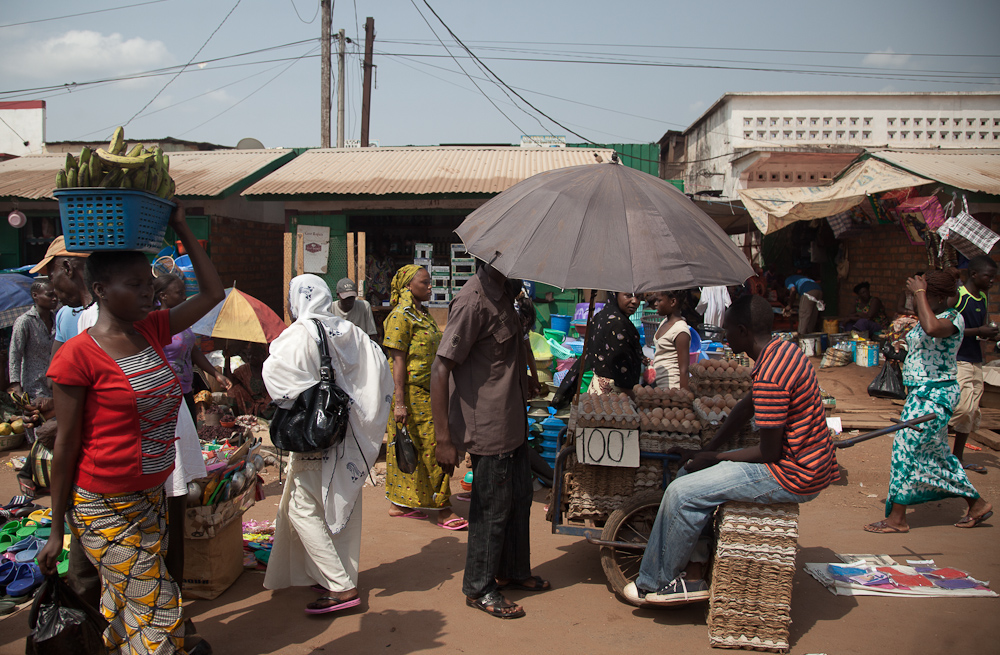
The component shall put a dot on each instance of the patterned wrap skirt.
(923, 467)
(125, 536)
(428, 487)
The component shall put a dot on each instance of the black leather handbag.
(318, 418)
(406, 452)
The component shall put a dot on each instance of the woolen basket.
(96, 219)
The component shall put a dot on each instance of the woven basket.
(11, 441)
(751, 590)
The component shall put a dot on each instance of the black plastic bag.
(63, 624)
(406, 452)
(888, 383)
(567, 388)
(892, 353)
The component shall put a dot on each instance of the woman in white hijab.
(317, 539)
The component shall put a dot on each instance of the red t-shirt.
(786, 394)
(111, 452)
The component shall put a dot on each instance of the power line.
(85, 13)
(309, 22)
(186, 65)
(241, 100)
(681, 47)
(457, 63)
(23, 140)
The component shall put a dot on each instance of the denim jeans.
(498, 521)
(687, 507)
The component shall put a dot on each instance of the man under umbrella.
(484, 413)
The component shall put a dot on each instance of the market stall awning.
(416, 170)
(202, 174)
(773, 209)
(972, 169)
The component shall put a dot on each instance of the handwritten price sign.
(608, 447)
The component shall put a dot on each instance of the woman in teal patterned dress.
(923, 468)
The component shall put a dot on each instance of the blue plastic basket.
(112, 219)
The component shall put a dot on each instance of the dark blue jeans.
(498, 521)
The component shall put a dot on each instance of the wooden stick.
(362, 263)
(300, 254)
(352, 273)
(287, 276)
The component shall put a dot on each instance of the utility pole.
(366, 98)
(340, 90)
(326, 21)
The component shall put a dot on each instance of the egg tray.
(607, 421)
(666, 398)
(716, 388)
(662, 442)
(709, 415)
(721, 370)
(687, 425)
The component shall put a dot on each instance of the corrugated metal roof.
(416, 170)
(209, 173)
(32, 177)
(973, 169)
(196, 173)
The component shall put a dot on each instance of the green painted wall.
(336, 267)
(10, 246)
(640, 156)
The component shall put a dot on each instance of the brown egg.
(654, 424)
(731, 403)
(657, 412)
(686, 426)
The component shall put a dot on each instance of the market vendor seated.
(794, 461)
(869, 313)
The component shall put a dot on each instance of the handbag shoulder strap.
(324, 349)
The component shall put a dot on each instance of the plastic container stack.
(551, 429)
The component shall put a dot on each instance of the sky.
(627, 70)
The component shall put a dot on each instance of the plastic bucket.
(560, 322)
(557, 335)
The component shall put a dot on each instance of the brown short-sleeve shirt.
(489, 385)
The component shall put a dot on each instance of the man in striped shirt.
(792, 464)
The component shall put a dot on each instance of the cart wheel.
(632, 522)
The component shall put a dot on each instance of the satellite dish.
(249, 143)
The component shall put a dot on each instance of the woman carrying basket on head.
(117, 402)
(412, 338)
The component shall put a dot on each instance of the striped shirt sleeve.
(771, 402)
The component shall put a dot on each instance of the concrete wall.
(743, 124)
(25, 122)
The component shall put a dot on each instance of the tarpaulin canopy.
(773, 209)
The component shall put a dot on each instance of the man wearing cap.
(66, 272)
(356, 310)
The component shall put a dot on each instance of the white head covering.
(361, 370)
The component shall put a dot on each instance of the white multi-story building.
(750, 140)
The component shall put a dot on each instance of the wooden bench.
(752, 572)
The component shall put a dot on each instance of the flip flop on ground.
(328, 604)
(533, 583)
(973, 521)
(412, 514)
(883, 527)
(975, 468)
(496, 605)
(457, 523)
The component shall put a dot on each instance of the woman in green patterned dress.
(923, 468)
(412, 338)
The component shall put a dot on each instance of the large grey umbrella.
(602, 226)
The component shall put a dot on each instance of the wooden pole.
(340, 89)
(326, 23)
(287, 275)
(300, 254)
(362, 263)
(366, 95)
(352, 271)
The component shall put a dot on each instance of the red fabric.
(786, 394)
(272, 324)
(110, 459)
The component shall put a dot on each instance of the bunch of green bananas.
(138, 168)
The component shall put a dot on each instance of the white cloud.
(885, 59)
(83, 52)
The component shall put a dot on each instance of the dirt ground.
(411, 577)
